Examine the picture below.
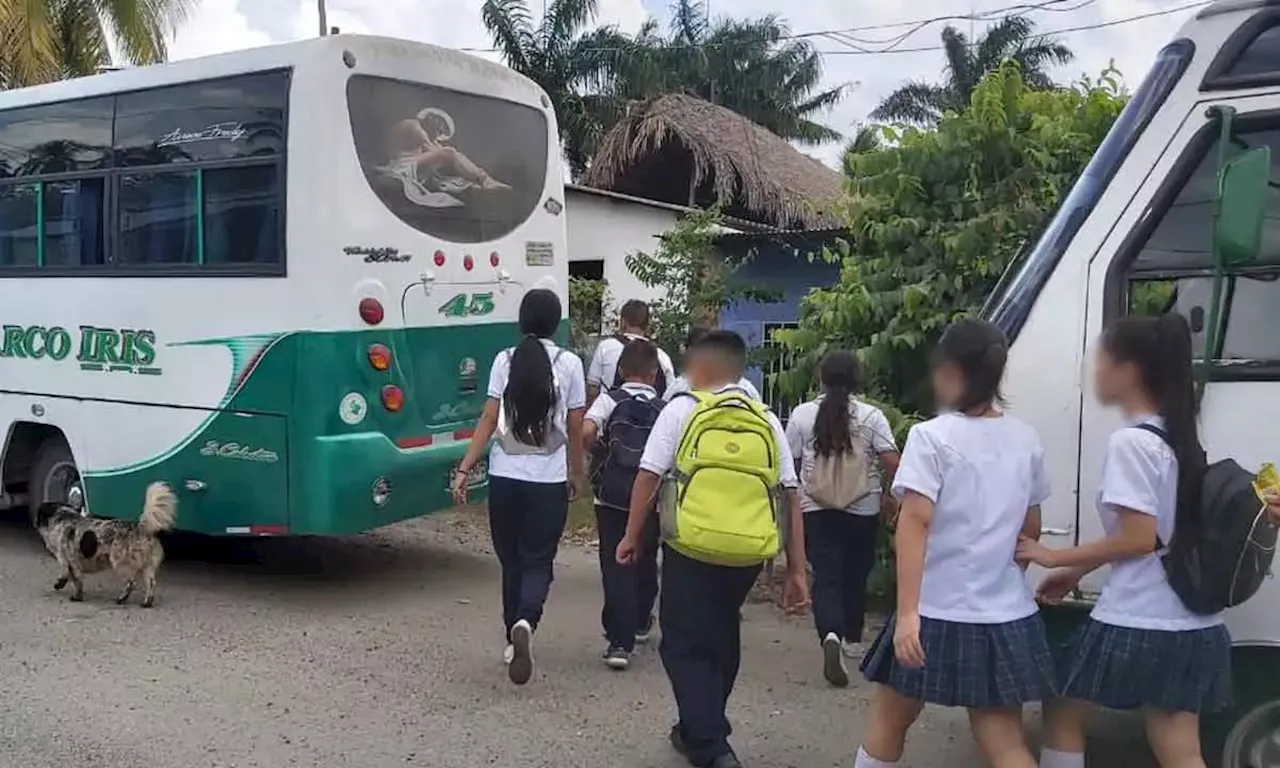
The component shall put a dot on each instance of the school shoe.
(677, 741)
(645, 634)
(520, 670)
(726, 761)
(508, 654)
(617, 658)
(833, 667)
(853, 650)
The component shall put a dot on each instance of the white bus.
(273, 278)
(1136, 235)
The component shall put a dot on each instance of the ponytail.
(841, 378)
(531, 393)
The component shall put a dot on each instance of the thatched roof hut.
(686, 151)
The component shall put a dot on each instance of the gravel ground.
(383, 650)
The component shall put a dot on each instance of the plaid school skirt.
(1125, 668)
(978, 666)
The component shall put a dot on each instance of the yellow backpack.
(720, 504)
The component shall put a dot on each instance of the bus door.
(1158, 258)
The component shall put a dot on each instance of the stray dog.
(85, 545)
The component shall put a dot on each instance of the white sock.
(1052, 758)
(867, 761)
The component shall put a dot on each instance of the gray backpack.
(556, 437)
(837, 480)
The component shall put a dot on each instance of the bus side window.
(1172, 270)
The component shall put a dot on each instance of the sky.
(226, 25)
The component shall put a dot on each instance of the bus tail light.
(392, 398)
(494, 259)
(439, 258)
(379, 357)
(371, 311)
(468, 263)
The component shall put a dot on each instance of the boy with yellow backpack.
(726, 484)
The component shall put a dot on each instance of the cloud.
(222, 25)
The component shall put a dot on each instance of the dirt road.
(382, 650)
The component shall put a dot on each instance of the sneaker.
(645, 632)
(520, 670)
(833, 668)
(617, 658)
(729, 760)
(853, 650)
(508, 654)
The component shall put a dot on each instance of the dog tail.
(160, 509)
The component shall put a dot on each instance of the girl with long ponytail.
(537, 396)
(851, 436)
(1142, 648)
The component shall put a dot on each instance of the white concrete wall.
(608, 229)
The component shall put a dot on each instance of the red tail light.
(379, 357)
(439, 258)
(468, 262)
(371, 311)
(494, 259)
(392, 398)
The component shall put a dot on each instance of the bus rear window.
(456, 166)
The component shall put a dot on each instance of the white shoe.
(508, 654)
(853, 650)
(520, 670)
(833, 667)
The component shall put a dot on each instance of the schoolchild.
(536, 402)
(634, 320)
(1142, 647)
(680, 384)
(967, 632)
(616, 429)
(844, 448)
(727, 497)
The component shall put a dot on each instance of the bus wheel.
(54, 477)
(1248, 734)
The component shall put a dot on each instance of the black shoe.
(833, 666)
(617, 658)
(726, 761)
(677, 741)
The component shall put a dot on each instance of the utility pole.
(324, 19)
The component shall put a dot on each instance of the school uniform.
(841, 543)
(529, 495)
(1141, 646)
(701, 646)
(680, 385)
(604, 362)
(630, 591)
(984, 643)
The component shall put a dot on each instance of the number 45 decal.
(468, 305)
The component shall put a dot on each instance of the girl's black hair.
(1160, 348)
(841, 378)
(979, 350)
(531, 391)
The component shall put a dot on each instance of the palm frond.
(688, 22)
(915, 103)
(959, 57)
(1002, 40)
(30, 43)
(563, 21)
(142, 27)
(510, 26)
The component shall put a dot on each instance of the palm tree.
(575, 67)
(867, 139)
(45, 40)
(1013, 37)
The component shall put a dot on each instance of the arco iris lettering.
(112, 350)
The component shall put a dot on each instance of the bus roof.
(260, 59)
(1231, 6)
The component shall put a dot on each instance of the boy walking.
(728, 495)
(617, 426)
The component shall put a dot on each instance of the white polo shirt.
(1140, 474)
(660, 451)
(981, 475)
(539, 467)
(868, 426)
(604, 363)
(680, 384)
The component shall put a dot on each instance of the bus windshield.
(1010, 303)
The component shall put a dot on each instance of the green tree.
(575, 66)
(1012, 38)
(937, 217)
(46, 40)
(867, 138)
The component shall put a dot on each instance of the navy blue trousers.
(526, 521)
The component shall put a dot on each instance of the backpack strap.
(1164, 436)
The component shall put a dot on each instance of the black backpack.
(616, 457)
(1232, 551)
(659, 385)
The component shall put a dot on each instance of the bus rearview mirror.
(1242, 205)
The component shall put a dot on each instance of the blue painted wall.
(781, 263)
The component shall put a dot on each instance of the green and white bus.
(274, 278)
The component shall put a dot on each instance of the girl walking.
(536, 401)
(844, 448)
(1142, 648)
(967, 632)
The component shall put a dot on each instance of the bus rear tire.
(54, 476)
(1248, 734)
